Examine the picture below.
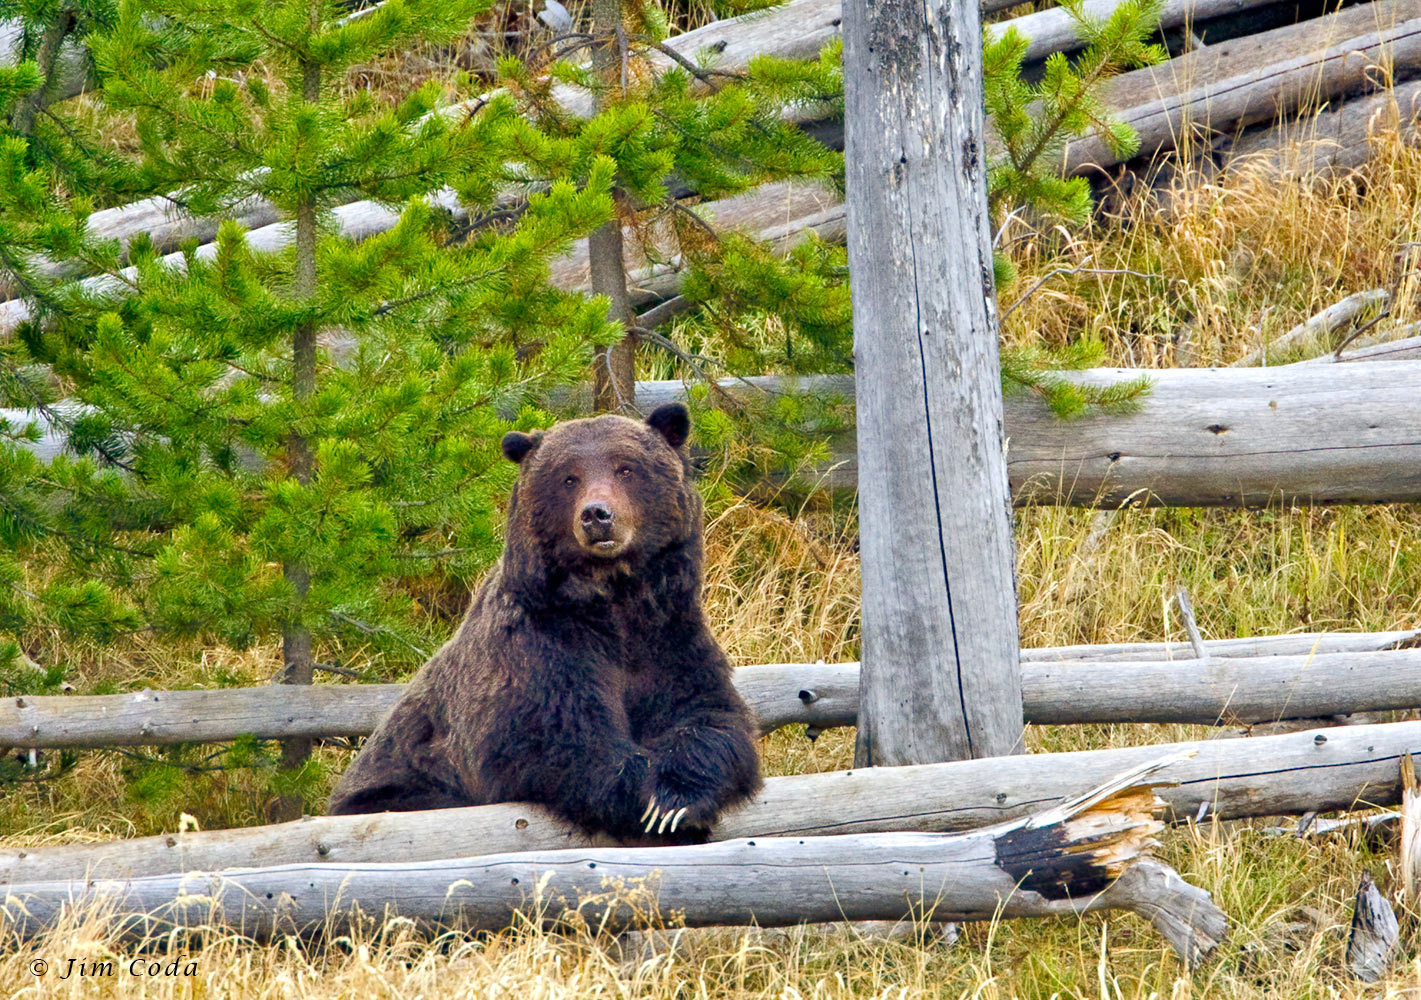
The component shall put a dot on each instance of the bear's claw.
(670, 819)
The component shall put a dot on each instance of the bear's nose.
(596, 513)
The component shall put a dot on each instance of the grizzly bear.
(583, 677)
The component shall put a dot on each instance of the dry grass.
(1244, 257)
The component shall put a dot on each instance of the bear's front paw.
(669, 811)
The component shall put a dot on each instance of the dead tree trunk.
(614, 367)
(941, 679)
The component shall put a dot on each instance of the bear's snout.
(600, 531)
(597, 521)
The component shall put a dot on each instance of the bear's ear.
(671, 421)
(517, 445)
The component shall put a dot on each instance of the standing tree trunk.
(296, 649)
(940, 678)
(47, 59)
(614, 369)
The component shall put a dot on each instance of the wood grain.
(940, 678)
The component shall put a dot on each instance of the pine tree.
(271, 443)
(678, 129)
(1033, 123)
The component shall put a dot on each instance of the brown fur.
(583, 676)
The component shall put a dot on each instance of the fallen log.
(1337, 138)
(1200, 437)
(1294, 644)
(1319, 327)
(1220, 89)
(1248, 437)
(1090, 853)
(72, 62)
(1225, 691)
(1400, 349)
(1054, 30)
(1321, 770)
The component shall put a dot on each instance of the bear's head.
(599, 495)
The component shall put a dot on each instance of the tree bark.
(614, 366)
(296, 649)
(940, 677)
(47, 58)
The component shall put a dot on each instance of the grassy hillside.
(1217, 268)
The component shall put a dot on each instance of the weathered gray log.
(1244, 690)
(1351, 767)
(1054, 30)
(1225, 691)
(1400, 349)
(1245, 437)
(940, 678)
(1222, 88)
(1294, 644)
(1315, 329)
(72, 62)
(1201, 437)
(1339, 137)
(1368, 826)
(1371, 945)
(1074, 858)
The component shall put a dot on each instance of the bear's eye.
(624, 471)
(571, 481)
